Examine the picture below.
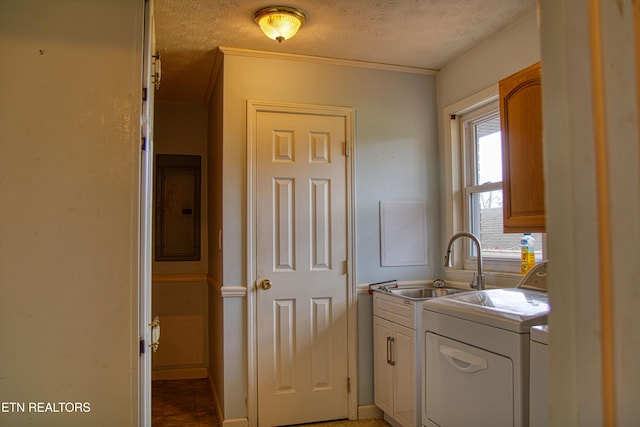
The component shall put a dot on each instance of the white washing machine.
(476, 358)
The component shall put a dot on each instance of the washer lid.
(512, 309)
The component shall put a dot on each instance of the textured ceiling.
(415, 33)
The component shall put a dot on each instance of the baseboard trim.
(216, 399)
(237, 422)
(369, 412)
(179, 374)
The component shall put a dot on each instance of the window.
(481, 170)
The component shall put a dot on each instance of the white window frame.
(467, 166)
(500, 271)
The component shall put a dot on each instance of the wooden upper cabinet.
(521, 126)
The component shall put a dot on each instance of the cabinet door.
(382, 370)
(403, 354)
(521, 123)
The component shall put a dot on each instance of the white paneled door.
(301, 268)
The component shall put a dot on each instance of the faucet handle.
(477, 282)
(439, 283)
(474, 281)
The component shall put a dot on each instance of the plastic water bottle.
(528, 251)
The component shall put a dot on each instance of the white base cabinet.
(396, 359)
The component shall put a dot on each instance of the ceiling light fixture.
(279, 22)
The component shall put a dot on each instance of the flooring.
(182, 403)
(189, 403)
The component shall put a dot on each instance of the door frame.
(348, 113)
(145, 248)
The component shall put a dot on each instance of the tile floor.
(182, 403)
(189, 403)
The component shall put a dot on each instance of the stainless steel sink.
(424, 293)
(415, 292)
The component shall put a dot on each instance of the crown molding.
(325, 60)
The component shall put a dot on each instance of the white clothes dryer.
(476, 357)
(539, 414)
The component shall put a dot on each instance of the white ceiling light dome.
(279, 22)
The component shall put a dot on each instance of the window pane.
(486, 223)
(488, 151)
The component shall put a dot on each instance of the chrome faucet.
(478, 279)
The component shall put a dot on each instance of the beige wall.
(182, 307)
(69, 150)
(182, 129)
(180, 290)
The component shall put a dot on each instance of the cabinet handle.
(390, 341)
(388, 350)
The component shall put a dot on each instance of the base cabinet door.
(404, 376)
(394, 370)
(382, 370)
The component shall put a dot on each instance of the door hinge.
(144, 94)
(348, 385)
(143, 145)
(347, 267)
(345, 148)
(142, 346)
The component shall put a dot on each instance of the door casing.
(253, 108)
(145, 222)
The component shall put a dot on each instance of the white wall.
(70, 81)
(576, 250)
(396, 159)
(502, 55)
(478, 71)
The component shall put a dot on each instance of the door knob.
(265, 284)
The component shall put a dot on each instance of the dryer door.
(467, 386)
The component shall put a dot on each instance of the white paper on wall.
(403, 233)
